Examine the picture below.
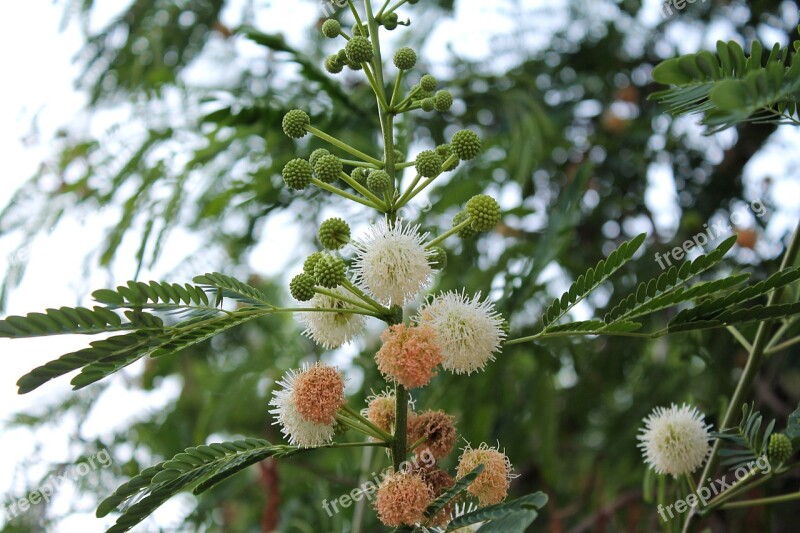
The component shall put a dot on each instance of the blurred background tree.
(575, 153)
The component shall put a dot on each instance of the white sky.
(40, 90)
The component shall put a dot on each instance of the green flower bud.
(438, 258)
(328, 168)
(466, 232)
(359, 174)
(444, 152)
(316, 154)
(311, 262)
(505, 326)
(342, 55)
(297, 174)
(466, 144)
(484, 211)
(379, 181)
(333, 65)
(362, 30)
(399, 157)
(302, 287)
(428, 164)
(331, 28)
(359, 49)
(390, 21)
(334, 233)
(427, 104)
(329, 272)
(405, 58)
(779, 449)
(443, 101)
(428, 83)
(295, 122)
(354, 66)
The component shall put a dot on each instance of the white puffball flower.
(675, 440)
(469, 331)
(299, 431)
(329, 329)
(391, 262)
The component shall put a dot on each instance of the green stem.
(417, 444)
(394, 7)
(356, 415)
(739, 337)
(342, 146)
(544, 334)
(763, 501)
(358, 426)
(750, 369)
(382, 9)
(375, 87)
(344, 194)
(337, 296)
(399, 443)
(363, 190)
(449, 232)
(327, 310)
(403, 200)
(358, 292)
(783, 345)
(362, 164)
(396, 90)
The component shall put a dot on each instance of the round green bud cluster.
(316, 154)
(428, 164)
(444, 152)
(779, 449)
(359, 174)
(362, 30)
(334, 233)
(333, 65)
(505, 327)
(342, 55)
(438, 258)
(399, 157)
(443, 101)
(302, 287)
(295, 122)
(466, 232)
(427, 104)
(329, 271)
(427, 83)
(359, 49)
(390, 21)
(331, 28)
(311, 262)
(405, 58)
(297, 174)
(466, 144)
(379, 181)
(484, 211)
(328, 168)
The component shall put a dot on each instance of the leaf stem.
(344, 194)
(449, 232)
(343, 146)
(363, 190)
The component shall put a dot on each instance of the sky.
(40, 98)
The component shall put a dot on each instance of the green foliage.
(509, 517)
(731, 88)
(198, 469)
(749, 444)
(592, 279)
(667, 290)
(453, 492)
(149, 335)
